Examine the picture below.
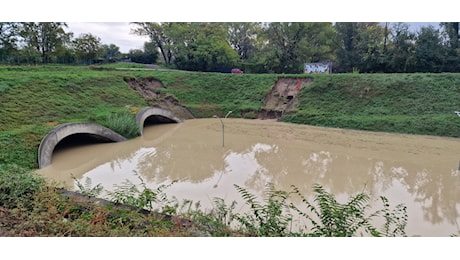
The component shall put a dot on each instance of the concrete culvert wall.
(63, 134)
(155, 115)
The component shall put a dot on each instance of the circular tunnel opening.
(71, 135)
(80, 139)
(157, 119)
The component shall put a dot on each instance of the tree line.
(48, 42)
(284, 47)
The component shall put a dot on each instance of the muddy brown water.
(419, 171)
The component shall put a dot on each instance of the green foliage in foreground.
(274, 216)
(333, 219)
(325, 216)
(41, 210)
(269, 219)
(17, 186)
(144, 198)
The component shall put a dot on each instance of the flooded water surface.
(419, 171)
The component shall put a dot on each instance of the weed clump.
(275, 216)
(123, 123)
(17, 186)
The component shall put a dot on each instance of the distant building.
(317, 68)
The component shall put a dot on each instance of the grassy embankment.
(403, 103)
(34, 99)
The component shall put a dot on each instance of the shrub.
(140, 196)
(333, 219)
(269, 219)
(17, 186)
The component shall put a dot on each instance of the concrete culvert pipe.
(91, 131)
(155, 115)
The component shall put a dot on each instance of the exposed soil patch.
(282, 97)
(148, 88)
(280, 101)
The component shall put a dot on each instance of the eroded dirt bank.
(148, 89)
(279, 101)
(282, 98)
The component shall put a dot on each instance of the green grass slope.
(207, 94)
(34, 99)
(403, 103)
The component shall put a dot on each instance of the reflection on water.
(418, 171)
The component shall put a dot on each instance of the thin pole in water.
(222, 122)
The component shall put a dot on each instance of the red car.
(237, 71)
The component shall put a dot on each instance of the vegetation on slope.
(404, 103)
(34, 99)
(207, 94)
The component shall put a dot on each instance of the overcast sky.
(110, 20)
(118, 33)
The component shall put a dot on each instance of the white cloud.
(110, 21)
(221, 11)
(118, 33)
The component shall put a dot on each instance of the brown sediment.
(148, 89)
(282, 98)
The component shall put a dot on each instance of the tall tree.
(151, 50)
(242, 37)
(348, 56)
(429, 52)
(260, 58)
(65, 52)
(372, 45)
(400, 52)
(87, 47)
(148, 55)
(44, 37)
(360, 46)
(8, 40)
(203, 47)
(157, 32)
(452, 31)
(111, 53)
(293, 44)
(452, 34)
